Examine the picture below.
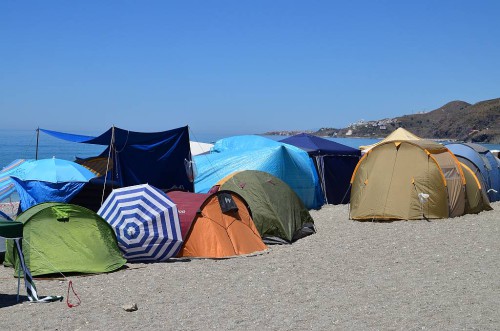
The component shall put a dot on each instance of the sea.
(22, 144)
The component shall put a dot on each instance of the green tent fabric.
(277, 211)
(59, 237)
(11, 229)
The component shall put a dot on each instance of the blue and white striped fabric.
(145, 221)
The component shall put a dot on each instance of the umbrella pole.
(37, 138)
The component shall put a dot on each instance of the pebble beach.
(411, 275)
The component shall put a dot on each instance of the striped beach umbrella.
(146, 223)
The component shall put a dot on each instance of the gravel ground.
(404, 275)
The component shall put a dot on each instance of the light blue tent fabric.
(289, 163)
(484, 161)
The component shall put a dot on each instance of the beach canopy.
(59, 237)
(146, 223)
(483, 163)
(407, 180)
(278, 213)
(289, 163)
(157, 158)
(49, 180)
(397, 135)
(217, 225)
(334, 163)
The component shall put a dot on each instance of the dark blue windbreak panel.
(155, 158)
(338, 173)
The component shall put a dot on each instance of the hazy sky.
(240, 66)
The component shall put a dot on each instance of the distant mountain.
(456, 120)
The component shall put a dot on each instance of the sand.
(404, 275)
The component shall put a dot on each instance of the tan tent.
(407, 180)
(216, 225)
(477, 199)
(398, 135)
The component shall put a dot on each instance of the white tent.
(199, 147)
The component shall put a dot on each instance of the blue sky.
(240, 66)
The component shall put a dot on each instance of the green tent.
(60, 237)
(277, 211)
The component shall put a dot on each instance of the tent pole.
(37, 139)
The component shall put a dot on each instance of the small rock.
(130, 307)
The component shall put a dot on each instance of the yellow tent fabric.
(477, 199)
(397, 135)
(407, 180)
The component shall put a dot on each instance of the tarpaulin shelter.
(60, 237)
(407, 180)
(157, 158)
(484, 164)
(334, 162)
(49, 180)
(289, 163)
(278, 213)
(217, 225)
(146, 223)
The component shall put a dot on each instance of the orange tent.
(216, 225)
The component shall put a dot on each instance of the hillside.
(456, 120)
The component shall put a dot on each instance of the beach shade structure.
(60, 237)
(156, 158)
(483, 163)
(476, 197)
(146, 223)
(407, 180)
(49, 180)
(250, 152)
(217, 225)
(278, 213)
(399, 134)
(334, 163)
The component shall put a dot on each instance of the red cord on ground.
(70, 305)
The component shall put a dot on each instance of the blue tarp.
(33, 192)
(291, 164)
(157, 158)
(484, 161)
(334, 162)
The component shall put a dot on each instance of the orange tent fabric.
(214, 233)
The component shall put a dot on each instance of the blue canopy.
(484, 161)
(334, 162)
(157, 158)
(289, 163)
(314, 145)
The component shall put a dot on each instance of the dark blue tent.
(482, 162)
(334, 162)
(156, 158)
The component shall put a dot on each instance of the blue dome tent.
(250, 152)
(484, 164)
